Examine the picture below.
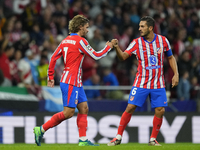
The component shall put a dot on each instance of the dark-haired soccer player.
(149, 50)
(73, 49)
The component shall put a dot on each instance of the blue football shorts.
(72, 95)
(157, 97)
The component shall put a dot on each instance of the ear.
(151, 28)
(80, 27)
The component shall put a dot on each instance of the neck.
(150, 37)
(79, 33)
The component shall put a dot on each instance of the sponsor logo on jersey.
(90, 48)
(153, 62)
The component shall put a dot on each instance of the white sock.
(152, 139)
(42, 129)
(83, 138)
(119, 137)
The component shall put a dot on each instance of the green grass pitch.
(129, 146)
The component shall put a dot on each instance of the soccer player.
(149, 50)
(73, 49)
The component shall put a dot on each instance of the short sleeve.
(131, 49)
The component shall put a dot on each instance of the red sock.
(54, 121)
(157, 122)
(123, 122)
(82, 124)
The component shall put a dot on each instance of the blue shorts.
(157, 97)
(72, 95)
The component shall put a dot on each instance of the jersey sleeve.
(57, 54)
(89, 51)
(131, 49)
(167, 49)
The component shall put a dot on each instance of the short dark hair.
(150, 21)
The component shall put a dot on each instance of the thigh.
(81, 95)
(158, 98)
(69, 95)
(138, 96)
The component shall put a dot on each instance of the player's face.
(144, 29)
(84, 29)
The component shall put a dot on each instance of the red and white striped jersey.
(73, 49)
(150, 56)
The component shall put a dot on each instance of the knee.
(68, 114)
(160, 111)
(130, 108)
(84, 110)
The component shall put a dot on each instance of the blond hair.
(76, 22)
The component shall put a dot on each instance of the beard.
(145, 34)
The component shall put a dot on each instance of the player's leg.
(159, 102)
(125, 118)
(137, 97)
(68, 94)
(82, 119)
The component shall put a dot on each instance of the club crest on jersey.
(159, 50)
(131, 98)
(76, 101)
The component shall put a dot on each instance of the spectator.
(184, 63)
(62, 26)
(42, 71)
(94, 80)
(5, 65)
(117, 18)
(183, 88)
(89, 68)
(126, 36)
(23, 44)
(134, 14)
(14, 68)
(25, 73)
(110, 79)
(30, 58)
(179, 45)
(17, 31)
(2, 22)
(99, 22)
(97, 39)
(36, 35)
(29, 16)
(75, 9)
(195, 88)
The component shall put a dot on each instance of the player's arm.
(57, 54)
(88, 50)
(121, 55)
(173, 65)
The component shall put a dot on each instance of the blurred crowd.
(30, 31)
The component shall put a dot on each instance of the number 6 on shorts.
(134, 91)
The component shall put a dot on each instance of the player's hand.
(175, 80)
(50, 83)
(114, 42)
(109, 44)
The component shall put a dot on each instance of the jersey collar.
(72, 34)
(151, 41)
